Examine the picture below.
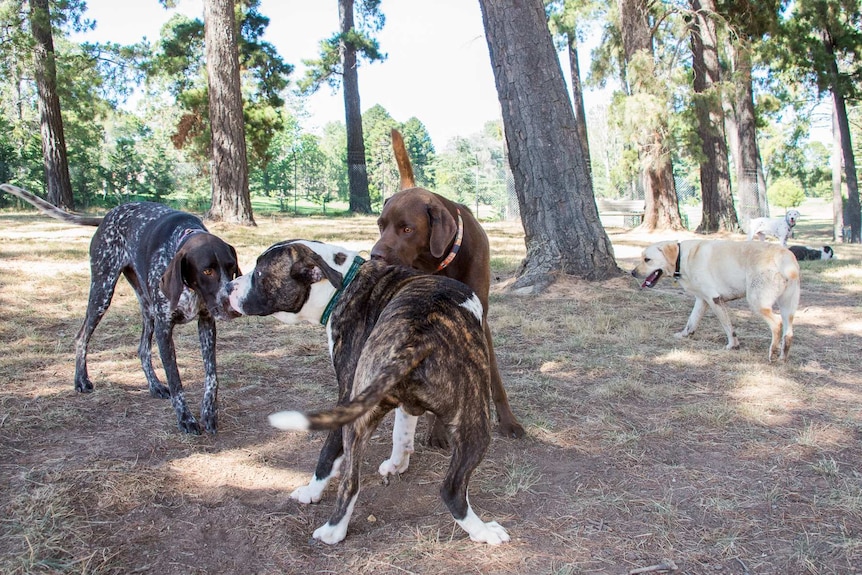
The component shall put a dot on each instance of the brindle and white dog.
(398, 338)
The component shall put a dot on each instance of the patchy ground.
(641, 449)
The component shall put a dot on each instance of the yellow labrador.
(717, 271)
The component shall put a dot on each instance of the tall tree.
(822, 42)
(835, 164)
(231, 201)
(57, 177)
(751, 183)
(563, 233)
(749, 23)
(719, 213)
(180, 62)
(646, 114)
(563, 18)
(338, 63)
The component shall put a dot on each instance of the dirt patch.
(640, 447)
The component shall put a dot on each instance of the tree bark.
(751, 187)
(578, 98)
(852, 213)
(837, 192)
(563, 233)
(718, 211)
(661, 206)
(357, 172)
(59, 184)
(230, 194)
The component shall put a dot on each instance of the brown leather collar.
(456, 246)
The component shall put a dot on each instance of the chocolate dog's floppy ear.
(443, 228)
(172, 282)
(308, 267)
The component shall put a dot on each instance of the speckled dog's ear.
(172, 282)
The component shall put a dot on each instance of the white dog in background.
(780, 228)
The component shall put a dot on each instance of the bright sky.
(438, 68)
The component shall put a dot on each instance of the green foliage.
(785, 193)
(417, 140)
(327, 68)
(473, 170)
(179, 63)
(809, 31)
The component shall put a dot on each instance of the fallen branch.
(665, 565)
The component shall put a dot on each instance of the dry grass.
(641, 447)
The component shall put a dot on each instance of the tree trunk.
(718, 211)
(852, 213)
(59, 185)
(230, 195)
(578, 98)
(661, 206)
(837, 195)
(357, 172)
(563, 233)
(750, 186)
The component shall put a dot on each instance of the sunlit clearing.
(240, 468)
(768, 396)
(681, 357)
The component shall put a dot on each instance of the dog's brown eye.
(208, 272)
(407, 230)
(647, 260)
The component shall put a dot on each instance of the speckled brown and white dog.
(398, 338)
(177, 269)
(717, 271)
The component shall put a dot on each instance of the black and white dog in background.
(806, 253)
(398, 338)
(179, 272)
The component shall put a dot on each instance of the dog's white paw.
(392, 466)
(331, 534)
(310, 493)
(681, 334)
(491, 533)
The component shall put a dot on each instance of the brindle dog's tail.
(405, 169)
(49, 209)
(381, 377)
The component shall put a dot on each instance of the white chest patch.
(474, 306)
(188, 304)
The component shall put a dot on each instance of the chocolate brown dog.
(397, 338)
(430, 233)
